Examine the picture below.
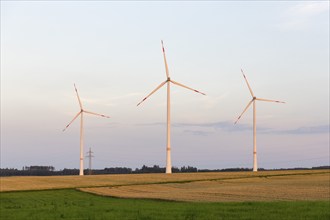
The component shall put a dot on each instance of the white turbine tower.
(81, 113)
(254, 98)
(168, 81)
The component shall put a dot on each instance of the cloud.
(299, 16)
(197, 133)
(305, 130)
(151, 124)
(222, 125)
(228, 126)
(204, 129)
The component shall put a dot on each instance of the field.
(270, 188)
(72, 204)
(70, 182)
(236, 195)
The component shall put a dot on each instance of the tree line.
(50, 170)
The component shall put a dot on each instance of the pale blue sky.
(112, 51)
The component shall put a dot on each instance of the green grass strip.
(72, 204)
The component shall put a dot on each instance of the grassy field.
(72, 204)
(236, 195)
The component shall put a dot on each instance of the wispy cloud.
(304, 130)
(197, 133)
(151, 124)
(299, 16)
(222, 125)
(228, 126)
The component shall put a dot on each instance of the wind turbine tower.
(81, 113)
(168, 82)
(253, 100)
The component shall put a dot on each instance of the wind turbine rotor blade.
(248, 105)
(78, 96)
(166, 66)
(93, 113)
(72, 120)
(179, 84)
(158, 87)
(269, 100)
(247, 83)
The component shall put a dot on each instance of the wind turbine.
(81, 113)
(168, 81)
(254, 99)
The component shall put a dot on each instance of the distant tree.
(321, 167)
(50, 170)
(188, 169)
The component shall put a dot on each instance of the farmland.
(72, 204)
(236, 195)
(267, 188)
(73, 182)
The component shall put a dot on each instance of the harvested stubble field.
(309, 187)
(272, 195)
(72, 182)
(206, 187)
(66, 182)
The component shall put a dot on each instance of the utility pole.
(89, 155)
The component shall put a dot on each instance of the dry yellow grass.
(229, 186)
(60, 182)
(314, 186)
